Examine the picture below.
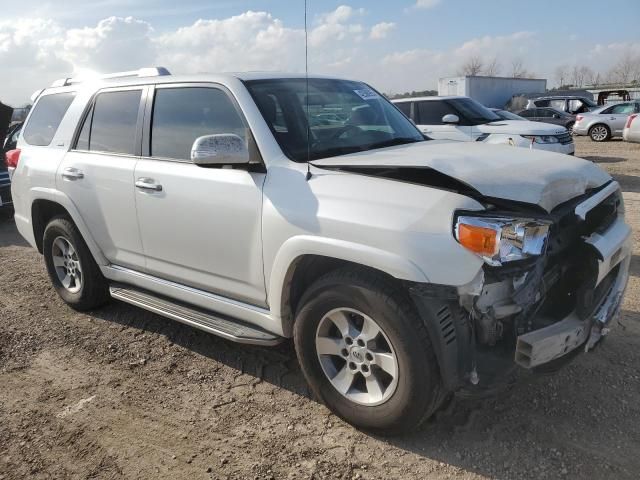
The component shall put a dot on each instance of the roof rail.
(142, 72)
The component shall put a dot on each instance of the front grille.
(565, 138)
(602, 216)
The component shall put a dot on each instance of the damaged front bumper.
(613, 250)
(559, 339)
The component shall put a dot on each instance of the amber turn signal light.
(479, 240)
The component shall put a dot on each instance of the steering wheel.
(344, 129)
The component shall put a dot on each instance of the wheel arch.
(47, 204)
(302, 260)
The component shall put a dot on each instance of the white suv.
(464, 119)
(261, 207)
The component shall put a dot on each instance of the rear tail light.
(12, 157)
(579, 117)
(630, 119)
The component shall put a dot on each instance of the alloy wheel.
(599, 133)
(67, 264)
(357, 357)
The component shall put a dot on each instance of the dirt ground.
(122, 393)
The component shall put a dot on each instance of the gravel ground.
(122, 393)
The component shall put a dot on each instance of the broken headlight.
(498, 239)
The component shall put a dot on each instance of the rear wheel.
(599, 133)
(71, 267)
(366, 353)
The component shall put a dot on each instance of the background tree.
(472, 66)
(492, 68)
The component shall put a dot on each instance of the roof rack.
(142, 72)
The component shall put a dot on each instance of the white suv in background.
(261, 207)
(464, 119)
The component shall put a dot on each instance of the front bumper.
(559, 339)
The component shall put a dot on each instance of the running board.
(209, 322)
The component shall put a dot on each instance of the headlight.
(498, 240)
(542, 138)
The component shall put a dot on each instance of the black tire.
(596, 135)
(569, 127)
(418, 391)
(94, 290)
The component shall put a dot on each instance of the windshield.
(474, 112)
(342, 117)
(507, 115)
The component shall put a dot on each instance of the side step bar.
(207, 321)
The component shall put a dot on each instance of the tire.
(569, 127)
(415, 393)
(88, 289)
(600, 133)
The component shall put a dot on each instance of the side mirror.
(220, 149)
(450, 118)
(555, 115)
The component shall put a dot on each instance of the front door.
(200, 226)
(97, 174)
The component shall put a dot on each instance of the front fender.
(301, 245)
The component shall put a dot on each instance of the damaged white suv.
(260, 207)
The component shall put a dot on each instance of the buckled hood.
(532, 176)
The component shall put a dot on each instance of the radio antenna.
(306, 76)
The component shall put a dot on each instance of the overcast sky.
(396, 46)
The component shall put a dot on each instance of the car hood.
(521, 127)
(536, 177)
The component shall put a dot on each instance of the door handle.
(148, 184)
(71, 173)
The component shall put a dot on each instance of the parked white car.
(631, 132)
(464, 119)
(404, 268)
(605, 122)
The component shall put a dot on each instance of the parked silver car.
(631, 132)
(605, 122)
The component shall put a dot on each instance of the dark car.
(549, 115)
(9, 143)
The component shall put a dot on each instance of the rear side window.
(46, 117)
(113, 123)
(180, 115)
(431, 112)
(404, 107)
(541, 103)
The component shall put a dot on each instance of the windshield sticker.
(367, 94)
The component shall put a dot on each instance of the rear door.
(429, 113)
(97, 174)
(617, 117)
(200, 226)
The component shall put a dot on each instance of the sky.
(395, 45)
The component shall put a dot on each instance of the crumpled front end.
(539, 311)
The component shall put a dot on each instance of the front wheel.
(71, 267)
(366, 353)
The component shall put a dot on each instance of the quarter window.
(180, 115)
(46, 117)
